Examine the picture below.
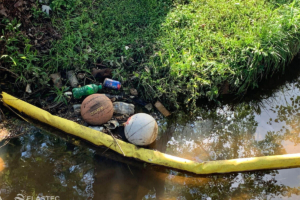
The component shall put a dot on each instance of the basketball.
(141, 129)
(97, 109)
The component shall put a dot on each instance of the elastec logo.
(22, 197)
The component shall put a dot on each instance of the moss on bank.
(177, 50)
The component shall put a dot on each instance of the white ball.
(141, 129)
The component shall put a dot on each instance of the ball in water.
(97, 109)
(141, 129)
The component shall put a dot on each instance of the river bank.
(172, 51)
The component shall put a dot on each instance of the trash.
(149, 106)
(56, 79)
(28, 89)
(97, 128)
(162, 109)
(68, 93)
(109, 83)
(97, 109)
(72, 78)
(102, 73)
(142, 154)
(141, 129)
(76, 108)
(46, 9)
(133, 92)
(86, 90)
(117, 97)
(121, 118)
(112, 124)
(123, 108)
(80, 75)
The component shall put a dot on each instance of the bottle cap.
(99, 87)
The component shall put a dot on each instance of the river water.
(47, 162)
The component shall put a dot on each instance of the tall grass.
(177, 50)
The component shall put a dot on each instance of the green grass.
(179, 50)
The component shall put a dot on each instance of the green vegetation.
(176, 50)
(60, 96)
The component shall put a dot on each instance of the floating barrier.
(152, 156)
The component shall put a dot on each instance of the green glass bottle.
(86, 90)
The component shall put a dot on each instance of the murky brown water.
(47, 162)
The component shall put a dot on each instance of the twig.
(14, 111)
(130, 170)
(3, 115)
(107, 148)
(9, 71)
(116, 141)
(5, 143)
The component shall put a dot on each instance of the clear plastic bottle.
(86, 90)
(123, 108)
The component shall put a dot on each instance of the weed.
(60, 96)
(20, 56)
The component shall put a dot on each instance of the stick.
(9, 71)
(14, 111)
(116, 141)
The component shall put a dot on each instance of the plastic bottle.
(86, 90)
(123, 108)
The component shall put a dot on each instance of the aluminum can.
(109, 83)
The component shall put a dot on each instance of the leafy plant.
(190, 48)
(60, 96)
(61, 5)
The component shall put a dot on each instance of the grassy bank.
(176, 50)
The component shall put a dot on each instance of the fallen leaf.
(3, 12)
(19, 3)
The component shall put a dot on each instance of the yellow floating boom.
(152, 156)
